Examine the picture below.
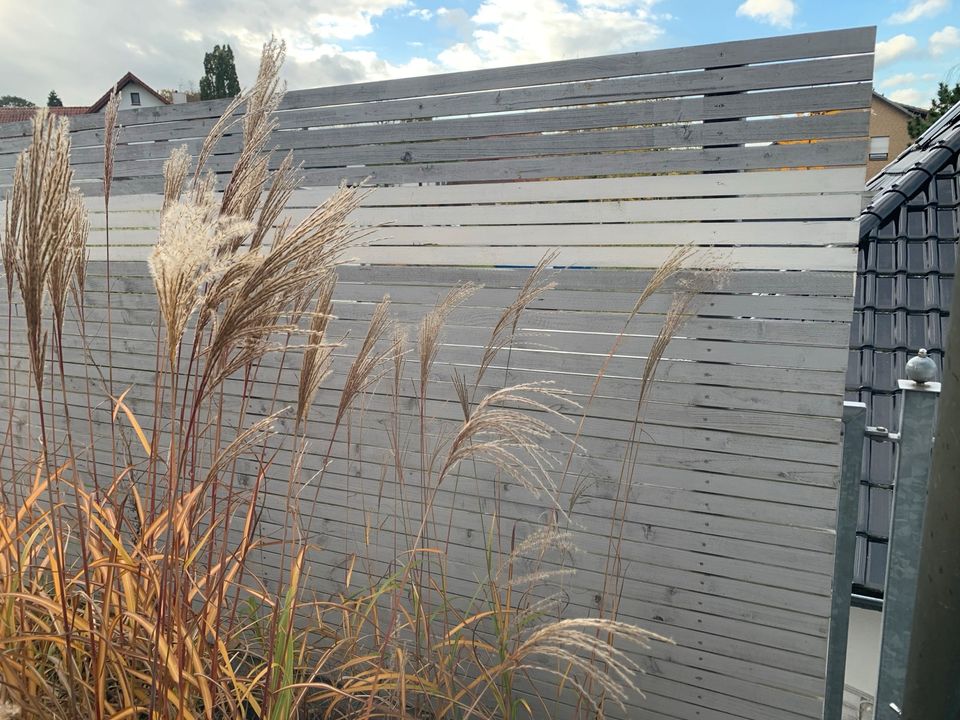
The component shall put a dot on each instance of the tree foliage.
(946, 98)
(53, 100)
(14, 101)
(220, 74)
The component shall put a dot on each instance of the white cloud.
(421, 13)
(318, 33)
(910, 96)
(898, 80)
(907, 78)
(944, 40)
(918, 9)
(772, 12)
(896, 47)
(507, 32)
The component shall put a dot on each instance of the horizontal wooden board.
(656, 217)
(802, 182)
(791, 286)
(806, 46)
(561, 132)
(439, 138)
(754, 258)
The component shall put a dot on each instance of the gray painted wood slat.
(795, 47)
(147, 174)
(670, 111)
(754, 258)
(771, 211)
(824, 286)
(436, 140)
(821, 182)
(707, 454)
(632, 90)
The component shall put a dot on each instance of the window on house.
(879, 148)
(135, 99)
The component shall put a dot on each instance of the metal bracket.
(881, 433)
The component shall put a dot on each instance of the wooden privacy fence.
(753, 150)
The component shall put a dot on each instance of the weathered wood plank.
(459, 138)
(795, 47)
(801, 100)
(755, 258)
(772, 210)
(761, 183)
(436, 139)
(832, 286)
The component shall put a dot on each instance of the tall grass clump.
(165, 542)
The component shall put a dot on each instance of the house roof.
(911, 170)
(119, 85)
(19, 114)
(905, 277)
(910, 110)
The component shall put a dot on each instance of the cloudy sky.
(81, 48)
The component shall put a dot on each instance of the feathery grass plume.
(505, 328)
(575, 642)
(226, 121)
(205, 184)
(41, 224)
(109, 141)
(246, 182)
(283, 182)
(674, 263)
(428, 337)
(680, 310)
(185, 256)
(66, 262)
(290, 271)
(370, 356)
(511, 438)
(175, 171)
(459, 382)
(79, 234)
(317, 354)
(538, 544)
(668, 269)
(8, 248)
(250, 191)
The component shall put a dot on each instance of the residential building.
(888, 131)
(134, 93)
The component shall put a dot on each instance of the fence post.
(917, 415)
(848, 495)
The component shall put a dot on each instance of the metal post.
(933, 668)
(917, 413)
(848, 495)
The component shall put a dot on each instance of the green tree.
(53, 100)
(220, 78)
(946, 98)
(14, 101)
